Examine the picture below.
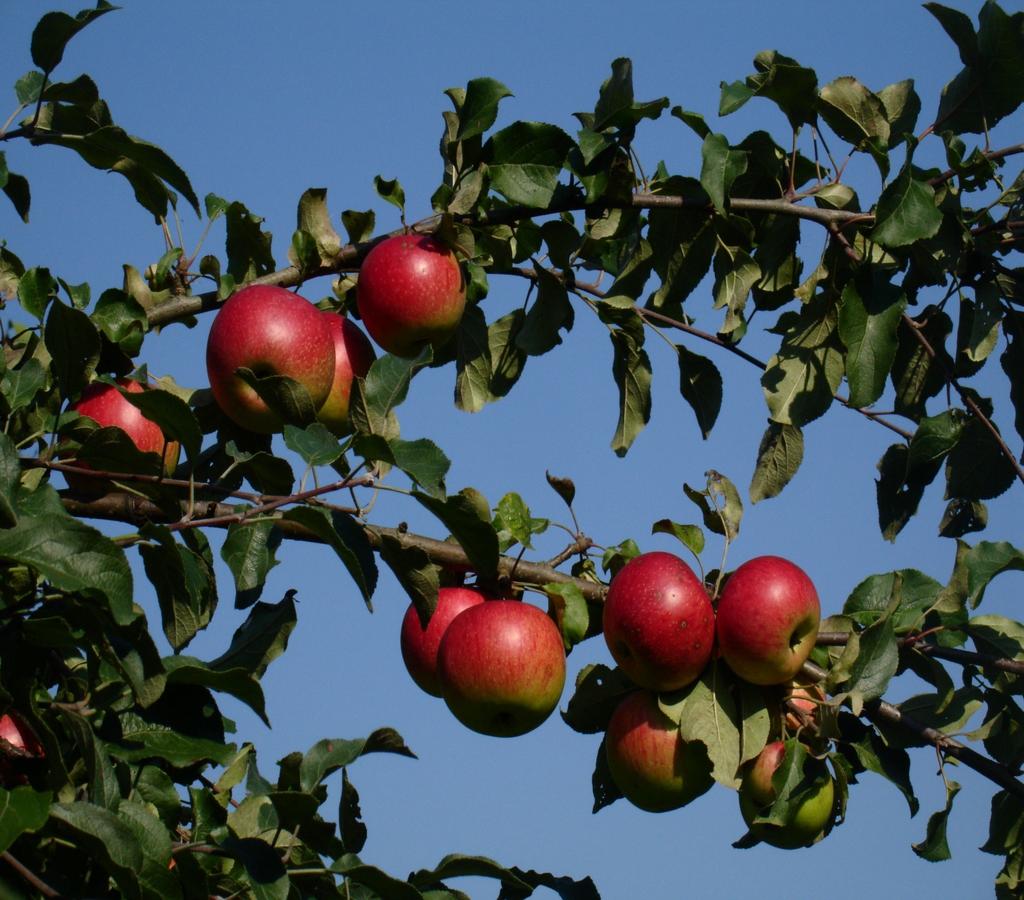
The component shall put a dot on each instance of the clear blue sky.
(260, 100)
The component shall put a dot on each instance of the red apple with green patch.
(767, 621)
(269, 331)
(807, 819)
(353, 356)
(410, 293)
(420, 645)
(649, 761)
(658, 622)
(501, 665)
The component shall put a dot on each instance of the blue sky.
(259, 101)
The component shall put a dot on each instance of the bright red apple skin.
(105, 405)
(501, 665)
(806, 822)
(650, 763)
(26, 747)
(353, 356)
(410, 293)
(419, 645)
(272, 332)
(768, 617)
(658, 622)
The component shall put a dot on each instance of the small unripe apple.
(410, 293)
(767, 620)
(107, 407)
(419, 645)
(650, 762)
(658, 622)
(501, 665)
(270, 331)
(353, 356)
(806, 821)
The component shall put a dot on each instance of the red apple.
(105, 405)
(768, 617)
(801, 705)
(650, 763)
(272, 332)
(21, 749)
(501, 665)
(658, 622)
(410, 293)
(353, 356)
(806, 821)
(419, 644)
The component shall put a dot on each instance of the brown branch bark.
(28, 875)
(880, 711)
(134, 510)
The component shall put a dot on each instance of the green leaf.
(985, 561)
(248, 247)
(109, 842)
(959, 28)
(906, 211)
(976, 468)
(103, 787)
(358, 225)
(690, 536)
(28, 88)
(695, 121)
(73, 556)
(778, 458)
(53, 31)
(858, 116)
(524, 161)
(473, 362)
(735, 275)
(792, 87)
(707, 712)
(261, 638)
(424, 462)
(479, 108)
(899, 489)
(391, 191)
(287, 398)
(314, 218)
(379, 883)
(871, 660)
(22, 810)
(460, 515)
(250, 553)
(385, 387)
(267, 473)
(550, 312)
(934, 847)
(571, 612)
(10, 477)
(682, 242)
(869, 317)
(631, 369)
(122, 319)
(616, 106)
(329, 755)
(875, 755)
(935, 437)
(733, 96)
(314, 443)
(720, 167)
(599, 690)
(515, 518)
(238, 682)
(35, 289)
(184, 583)
(174, 416)
(346, 539)
(264, 870)
(902, 107)
(20, 386)
(417, 575)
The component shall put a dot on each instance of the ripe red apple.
(419, 644)
(353, 356)
(501, 665)
(272, 332)
(768, 617)
(410, 293)
(658, 622)
(806, 821)
(23, 746)
(650, 763)
(105, 405)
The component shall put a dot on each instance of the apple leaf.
(261, 638)
(460, 515)
(22, 810)
(571, 612)
(524, 161)
(778, 458)
(238, 682)
(314, 443)
(392, 191)
(10, 477)
(177, 421)
(329, 755)
(906, 211)
(869, 318)
(868, 663)
(267, 473)
(74, 344)
(599, 689)
(418, 576)
(721, 166)
(53, 31)
(691, 536)
(935, 847)
(315, 219)
(700, 384)
(707, 712)
(631, 368)
(285, 396)
(479, 107)
(249, 550)
(606, 791)
(339, 532)
(36, 287)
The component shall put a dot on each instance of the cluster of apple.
(663, 631)
(410, 294)
(499, 664)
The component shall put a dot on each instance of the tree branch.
(135, 510)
